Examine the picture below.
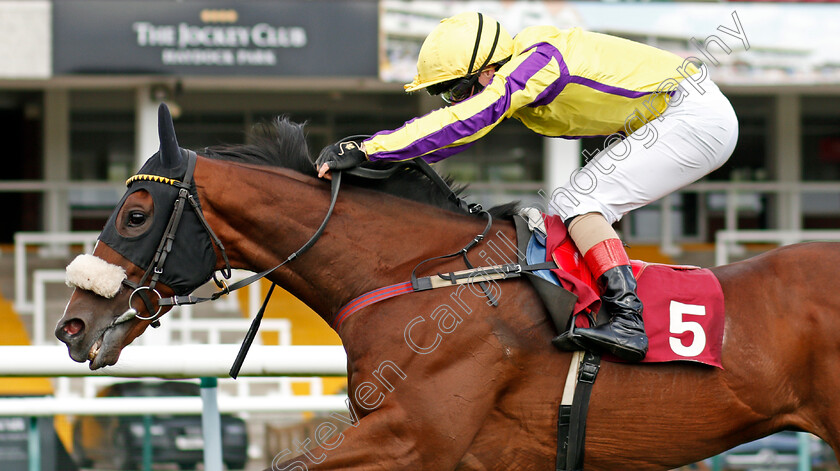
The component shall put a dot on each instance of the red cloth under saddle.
(683, 306)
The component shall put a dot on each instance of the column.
(56, 215)
(786, 153)
(561, 157)
(146, 141)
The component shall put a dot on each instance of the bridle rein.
(155, 269)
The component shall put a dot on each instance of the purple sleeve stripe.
(550, 93)
(607, 88)
(516, 81)
(449, 133)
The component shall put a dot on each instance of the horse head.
(138, 260)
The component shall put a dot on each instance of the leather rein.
(155, 268)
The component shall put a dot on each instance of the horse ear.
(170, 152)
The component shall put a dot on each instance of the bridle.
(164, 248)
(155, 269)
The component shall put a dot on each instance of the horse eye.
(136, 218)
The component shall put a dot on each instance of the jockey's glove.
(341, 156)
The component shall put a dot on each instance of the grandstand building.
(81, 80)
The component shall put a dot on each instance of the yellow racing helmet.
(459, 47)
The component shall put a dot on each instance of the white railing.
(725, 240)
(789, 206)
(179, 327)
(275, 369)
(179, 361)
(789, 195)
(24, 240)
(49, 406)
(186, 361)
(267, 363)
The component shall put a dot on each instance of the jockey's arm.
(454, 128)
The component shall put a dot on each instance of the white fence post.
(724, 240)
(211, 424)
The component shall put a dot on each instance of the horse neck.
(263, 215)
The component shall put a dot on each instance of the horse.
(474, 386)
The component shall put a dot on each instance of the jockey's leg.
(624, 334)
(693, 137)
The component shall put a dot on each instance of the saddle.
(571, 295)
(683, 305)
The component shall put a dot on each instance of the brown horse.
(440, 379)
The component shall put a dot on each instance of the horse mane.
(282, 143)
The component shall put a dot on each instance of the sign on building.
(291, 38)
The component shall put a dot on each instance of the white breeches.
(693, 137)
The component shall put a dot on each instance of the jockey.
(673, 126)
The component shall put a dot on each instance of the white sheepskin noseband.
(94, 274)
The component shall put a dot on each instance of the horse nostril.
(73, 327)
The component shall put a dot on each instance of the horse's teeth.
(94, 350)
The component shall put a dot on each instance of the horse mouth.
(94, 350)
(105, 351)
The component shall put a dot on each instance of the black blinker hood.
(192, 259)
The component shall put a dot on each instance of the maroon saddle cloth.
(683, 305)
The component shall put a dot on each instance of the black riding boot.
(624, 335)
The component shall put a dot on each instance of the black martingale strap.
(427, 170)
(250, 335)
(571, 419)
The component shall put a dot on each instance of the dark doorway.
(21, 137)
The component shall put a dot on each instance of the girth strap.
(571, 417)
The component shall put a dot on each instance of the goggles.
(462, 89)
